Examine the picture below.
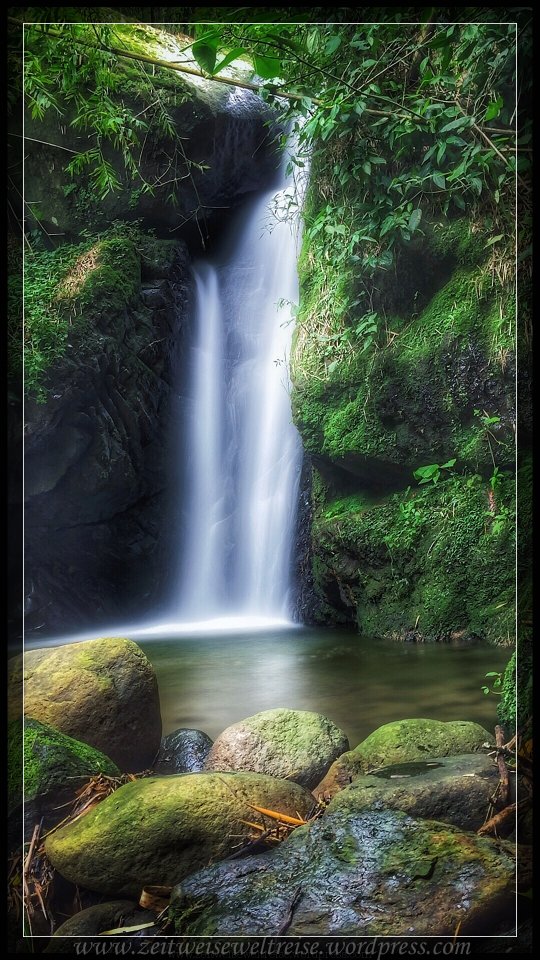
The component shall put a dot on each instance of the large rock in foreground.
(159, 830)
(378, 874)
(296, 744)
(103, 692)
(400, 742)
(453, 790)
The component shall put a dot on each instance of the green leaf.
(333, 43)
(266, 67)
(455, 124)
(333, 366)
(415, 219)
(441, 40)
(493, 240)
(424, 474)
(366, 167)
(439, 180)
(448, 464)
(494, 109)
(205, 52)
(232, 55)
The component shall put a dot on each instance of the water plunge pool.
(209, 681)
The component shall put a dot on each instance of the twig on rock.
(502, 817)
(292, 906)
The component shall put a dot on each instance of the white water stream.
(244, 454)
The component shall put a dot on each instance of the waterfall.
(243, 454)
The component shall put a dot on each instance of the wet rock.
(96, 920)
(374, 874)
(453, 790)
(103, 692)
(183, 751)
(55, 766)
(159, 830)
(296, 744)
(400, 742)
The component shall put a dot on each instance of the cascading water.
(244, 454)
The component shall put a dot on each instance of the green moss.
(506, 709)
(50, 759)
(405, 740)
(67, 291)
(387, 403)
(354, 503)
(435, 556)
(461, 238)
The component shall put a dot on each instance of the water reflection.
(210, 682)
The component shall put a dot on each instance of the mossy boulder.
(159, 830)
(183, 751)
(53, 764)
(376, 874)
(297, 744)
(454, 790)
(400, 742)
(103, 692)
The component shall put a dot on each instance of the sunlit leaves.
(494, 109)
(228, 59)
(205, 52)
(266, 67)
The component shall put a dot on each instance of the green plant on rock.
(432, 472)
(496, 680)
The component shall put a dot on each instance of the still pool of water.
(209, 682)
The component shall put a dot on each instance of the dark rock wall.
(97, 461)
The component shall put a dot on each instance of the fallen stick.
(288, 919)
(504, 815)
(497, 821)
(501, 763)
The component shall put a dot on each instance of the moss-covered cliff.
(396, 370)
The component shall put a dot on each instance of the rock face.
(390, 557)
(183, 751)
(97, 450)
(159, 830)
(296, 744)
(375, 874)
(103, 692)
(55, 766)
(402, 741)
(454, 790)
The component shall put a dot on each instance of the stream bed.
(209, 682)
